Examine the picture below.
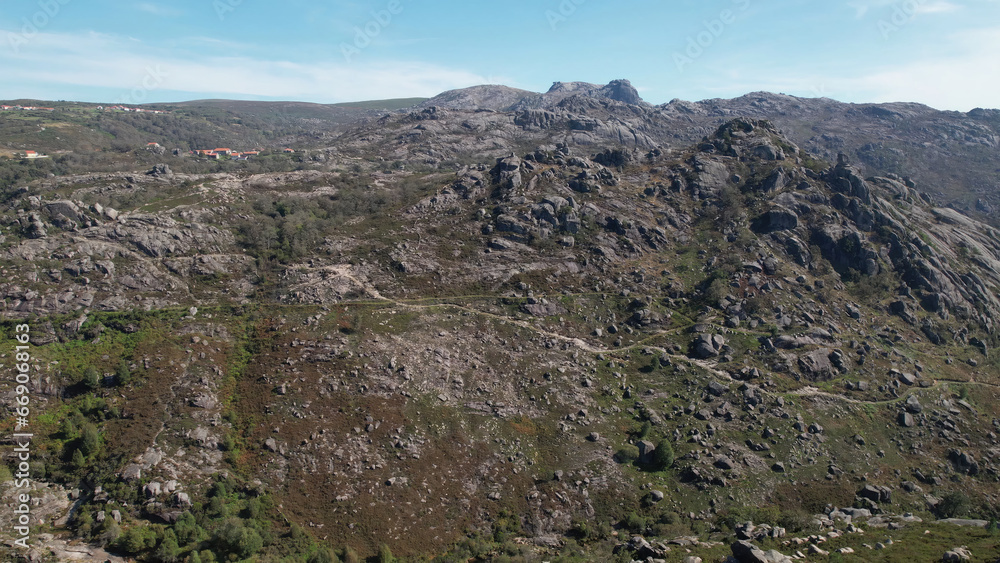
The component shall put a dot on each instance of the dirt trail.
(344, 270)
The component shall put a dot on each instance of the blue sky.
(939, 52)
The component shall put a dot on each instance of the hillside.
(576, 331)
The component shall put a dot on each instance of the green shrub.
(963, 393)
(136, 539)
(953, 505)
(585, 531)
(233, 537)
(83, 523)
(627, 454)
(644, 430)
(110, 532)
(716, 291)
(187, 529)
(634, 523)
(90, 440)
(91, 380)
(351, 556)
(68, 428)
(385, 554)
(323, 555)
(169, 551)
(122, 374)
(663, 456)
(78, 461)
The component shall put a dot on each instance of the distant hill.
(391, 104)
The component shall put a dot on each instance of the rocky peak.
(620, 90)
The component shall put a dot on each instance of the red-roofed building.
(224, 151)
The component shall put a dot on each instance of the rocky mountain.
(503, 98)
(571, 325)
(898, 138)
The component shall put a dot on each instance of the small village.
(25, 108)
(121, 108)
(129, 109)
(216, 154)
(31, 154)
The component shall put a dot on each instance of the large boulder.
(708, 346)
(777, 219)
(957, 554)
(876, 493)
(746, 552)
(816, 365)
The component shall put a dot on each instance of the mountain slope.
(445, 361)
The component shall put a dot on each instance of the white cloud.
(158, 9)
(970, 78)
(961, 74)
(862, 7)
(92, 60)
(936, 8)
(908, 7)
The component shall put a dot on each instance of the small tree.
(110, 531)
(385, 554)
(122, 374)
(78, 459)
(323, 555)
(67, 428)
(235, 538)
(90, 440)
(663, 456)
(169, 551)
(136, 539)
(91, 379)
(953, 505)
